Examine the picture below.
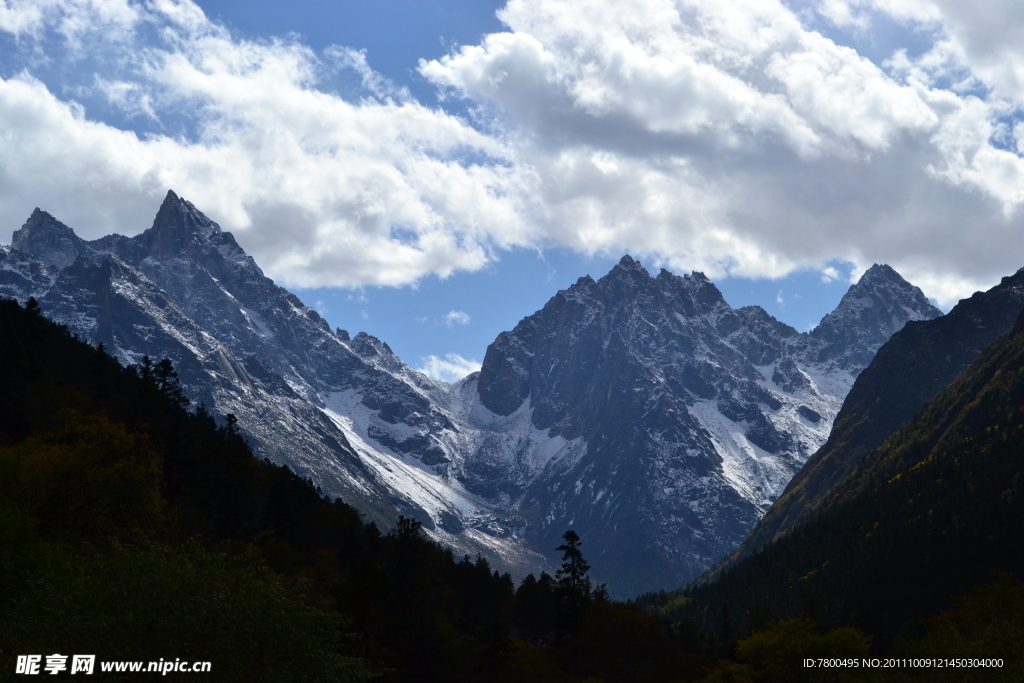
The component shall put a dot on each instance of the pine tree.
(572, 577)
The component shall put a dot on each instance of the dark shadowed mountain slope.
(340, 410)
(910, 368)
(930, 513)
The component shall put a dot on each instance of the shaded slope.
(342, 411)
(916, 363)
(928, 514)
(134, 529)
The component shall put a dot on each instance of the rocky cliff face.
(642, 411)
(691, 416)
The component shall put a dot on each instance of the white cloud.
(320, 190)
(727, 137)
(451, 368)
(829, 274)
(71, 18)
(452, 318)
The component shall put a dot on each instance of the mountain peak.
(629, 264)
(880, 270)
(49, 240)
(871, 311)
(178, 226)
(900, 292)
(880, 273)
(177, 214)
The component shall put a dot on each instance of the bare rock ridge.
(642, 411)
(54, 243)
(874, 309)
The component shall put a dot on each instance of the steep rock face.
(54, 243)
(913, 366)
(22, 276)
(105, 300)
(694, 416)
(933, 512)
(877, 308)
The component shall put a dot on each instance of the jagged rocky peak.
(628, 264)
(870, 312)
(178, 226)
(49, 240)
(701, 295)
(373, 350)
(577, 327)
(367, 345)
(695, 412)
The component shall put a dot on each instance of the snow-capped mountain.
(643, 412)
(689, 417)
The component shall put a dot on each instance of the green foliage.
(776, 654)
(87, 477)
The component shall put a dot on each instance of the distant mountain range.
(643, 412)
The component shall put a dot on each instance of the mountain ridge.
(931, 512)
(706, 410)
(744, 415)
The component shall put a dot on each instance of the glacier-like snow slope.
(643, 412)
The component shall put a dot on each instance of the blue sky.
(431, 172)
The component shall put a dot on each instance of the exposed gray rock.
(49, 240)
(694, 415)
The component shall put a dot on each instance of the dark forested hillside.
(934, 511)
(134, 527)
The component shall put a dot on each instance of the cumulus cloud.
(452, 318)
(321, 190)
(451, 368)
(729, 137)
